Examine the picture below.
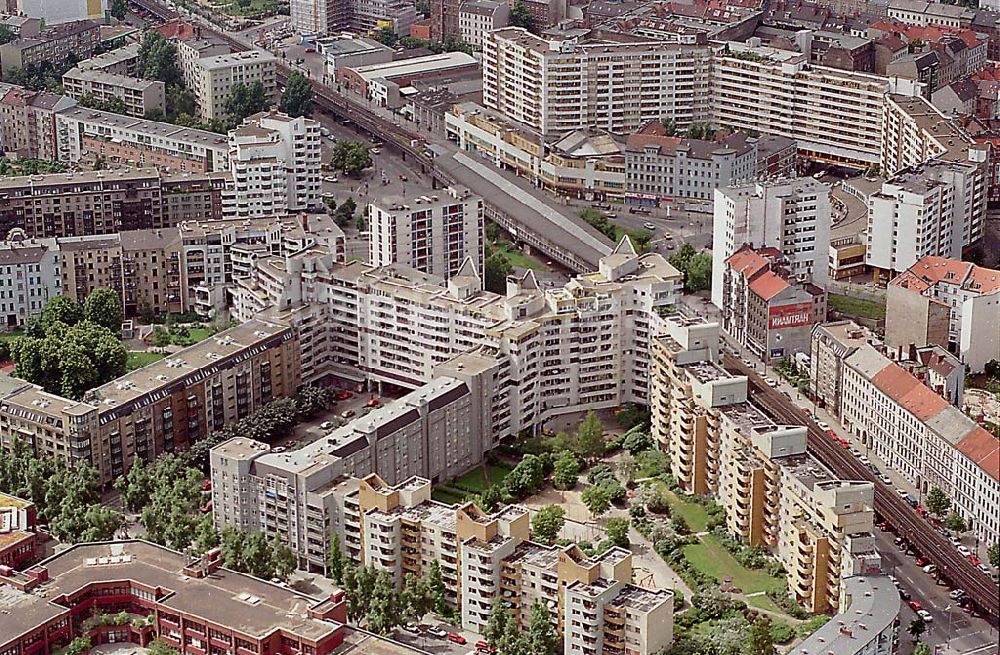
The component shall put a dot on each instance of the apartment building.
(319, 17)
(935, 209)
(921, 436)
(27, 122)
(433, 234)
(274, 160)
(585, 163)
(63, 12)
(792, 216)
(834, 115)
(53, 45)
(193, 197)
(476, 18)
(665, 168)
(153, 278)
(82, 135)
(120, 61)
(163, 407)
(867, 623)
(584, 345)
(764, 309)
(71, 204)
(384, 83)
(191, 604)
(946, 302)
(398, 528)
(774, 493)
(18, 536)
(141, 97)
(559, 84)
(215, 76)
(29, 276)
(919, 12)
(90, 262)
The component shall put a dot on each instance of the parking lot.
(433, 638)
(343, 412)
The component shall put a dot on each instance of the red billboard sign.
(789, 316)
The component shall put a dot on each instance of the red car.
(922, 561)
(844, 443)
(206, 485)
(975, 560)
(374, 402)
(456, 638)
(833, 435)
(806, 411)
(310, 50)
(915, 606)
(483, 647)
(344, 395)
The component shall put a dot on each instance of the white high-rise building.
(792, 216)
(937, 209)
(432, 233)
(318, 17)
(557, 85)
(275, 163)
(30, 277)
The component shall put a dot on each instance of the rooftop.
(247, 604)
(415, 65)
(872, 606)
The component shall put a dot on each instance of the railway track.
(952, 566)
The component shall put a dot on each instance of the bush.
(600, 473)
(781, 632)
(678, 600)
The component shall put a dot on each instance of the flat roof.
(414, 66)
(250, 605)
(872, 605)
(153, 129)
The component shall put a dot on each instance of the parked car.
(437, 631)
(956, 594)
(206, 485)
(483, 647)
(348, 414)
(374, 401)
(412, 628)
(278, 449)
(771, 382)
(915, 605)
(886, 479)
(344, 395)
(855, 452)
(206, 508)
(649, 226)
(456, 638)
(326, 425)
(965, 551)
(922, 561)
(823, 425)
(930, 569)
(925, 615)
(904, 594)
(639, 210)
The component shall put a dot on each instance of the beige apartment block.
(141, 97)
(215, 76)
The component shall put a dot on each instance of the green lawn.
(518, 259)
(200, 333)
(709, 557)
(9, 336)
(693, 513)
(856, 306)
(764, 603)
(445, 496)
(476, 478)
(138, 359)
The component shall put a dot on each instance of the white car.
(855, 452)
(886, 479)
(823, 425)
(771, 382)
(930, 569)
(865, 460)
(925, 615)
(331, 179)
(649, 226)
(964, 551)
(902, 493)
(326, 425)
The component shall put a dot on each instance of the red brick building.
(18, 537)
(198, 608)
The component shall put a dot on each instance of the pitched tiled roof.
(768, 284)
(912, 394)
(982, 448)
(932, 270)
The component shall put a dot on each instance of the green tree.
(496, 626)
(160, 647)
(993, 554)
(520, 16)
(917, 628)
(760, 640)
(297, 99)
(699, 273)
(435, 586)
(157, 59)
(104, 307)
(921, 649)
(541, 636)
(547, 522)
(61, 309)
(589, 441)
(78, 646)
(936, 502)
(118, 9)
(956, 523)
(526, 477)
(566, 470)
(180, 100)
(284, 559)
(245, 100)
(206, 537)
(495, 271)
(335, 560)
(6, 34)
(637, 441)
(352, 157)
(597, 499)
(617, 529)
(387, 36)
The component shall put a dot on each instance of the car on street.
(915, 605)
(886, 479)
(904, 594)
(902, 493)
(639, 210)
(206, 508)
(374, 401)
(855, 452)
(965, 551)
(771, 382)
(956, 594)
(823, 425)
(975, 560)
(922, 561)
(649, 226)
(310, 50)
(278, 449)
(374, 151)
(437, 631)
(412, 628)
(930, 569)
(344, 394)
(331, 178)
(348, 414)
(864, 460)
(456, 638)
(326, 425)
(483, 647)
(925, 615)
